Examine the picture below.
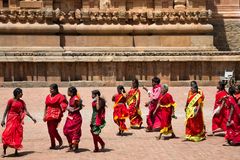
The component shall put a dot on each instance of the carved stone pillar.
(48, 4)
(118, 4)
(104, 4)
(179, 4)
(12, 3)
(90, 3)
(1, 4)
(200, 4)
(160, 4)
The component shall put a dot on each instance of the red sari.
(233, 131)
(154, 121)
(195, 128)
(12, 136)
(120, 112)
(219, 121)
(167, 106)
(72, 127)
(56, 105)
(133, 101)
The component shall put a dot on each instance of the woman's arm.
(113, 98)
(44, 114)
(97, 103)
(230, 116)
(4, 115)
(29, 115)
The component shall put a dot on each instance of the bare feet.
(148, 130)
(52, 147)
(75, 147)
(16, 152)
(60, 145)
(158, 137)
(103, 146)
(3, 154)
(173, 135)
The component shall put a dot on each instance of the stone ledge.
(30, 84)
(170, 58)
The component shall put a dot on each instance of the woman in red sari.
(73, 124)
(153, 120)
(195, 128)
(220, 112)
(166, 107)
(233, 124)
(15, 111)
(133, 101)
(56, 104)
(120, 111)
(98, 119)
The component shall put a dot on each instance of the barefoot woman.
(16, 110)
(56, 104)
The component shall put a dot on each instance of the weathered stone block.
(31, 4)
(53, 72)
(98, 41)
(29, 40)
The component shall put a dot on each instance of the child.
(98, 119)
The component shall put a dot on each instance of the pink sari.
(154, 121)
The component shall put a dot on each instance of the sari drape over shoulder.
(56, 105)
(98, 119)
(167, 106)
(220, 115)
(120, 111)
(73, 124)
(195, 128)
(133, 102)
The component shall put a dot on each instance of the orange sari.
(120, 112)
(133, 102)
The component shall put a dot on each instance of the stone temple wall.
(226, 22)
(99, 68)
(107, 42)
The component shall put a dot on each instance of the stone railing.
(105, 17)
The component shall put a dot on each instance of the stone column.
(160, 4)
(12, 3)
(104, 4)
(179, 4)
(1, 4)
(48, 4)
(199, 4)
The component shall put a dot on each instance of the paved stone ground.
(136, 145)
